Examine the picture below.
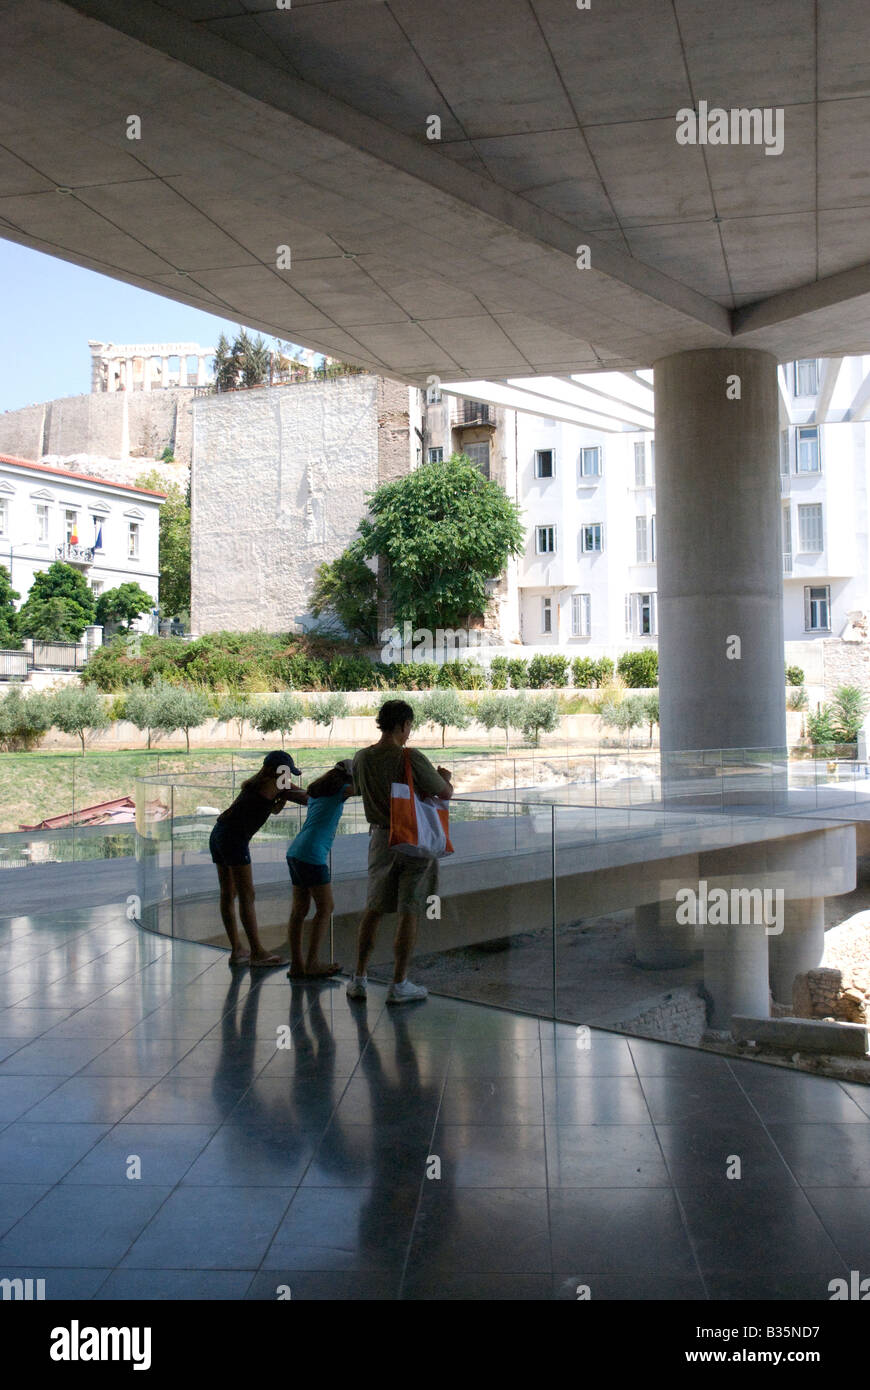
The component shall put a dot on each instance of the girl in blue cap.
(308, 862)
(261, 796)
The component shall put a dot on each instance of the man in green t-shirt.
(396, 883)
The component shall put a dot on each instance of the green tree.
(280, 715)
(848, 708)
(624, 715)
(238, 707)
(445, 708)
(540, 714)
(651, 712)
(252, 358)
(346, 592)
(224, 365)
(140, 708)
(177, 707)
(821, 732)
(794, 675)
(328, 708)
(9, 637)
(174, 545)
(23, 719)
(79, 710)
(59, 607)
(639, 669)
(123, 605)
(443, 530)
(498, 710)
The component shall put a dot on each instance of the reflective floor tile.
(44, 1152)
(698, 1155)
(175, 1285)
(383, 1102)
(186, 1100)
(462, 1231)
(18, 1022)
(91, 1099)
(345, 1228)
(825, 1155)
(680, 1099)
(338, 1286)
(164, 1154)
(470, 1057)
(479, 1286)
(794, 1098)
(61, 1285)
(751, 1229)
(211, 1228)
(593, 1100)
(81, 1227)
(377, 1156)
(502, 1100)
(253, 1157)
(619, 1231)
(140, 1056)
(598, 1155)
(491, 1155)
(845, 1216)
(63, 1057)
(16, 1199)
(628, 1288)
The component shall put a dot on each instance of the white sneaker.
(402, 993)
(356, 988)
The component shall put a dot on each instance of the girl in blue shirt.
(308, 862)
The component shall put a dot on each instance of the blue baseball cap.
(281, 759)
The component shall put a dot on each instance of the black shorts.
(227, 849)
(305, 875)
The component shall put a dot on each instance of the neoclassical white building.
(107, 530)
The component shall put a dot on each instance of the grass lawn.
(34, 786)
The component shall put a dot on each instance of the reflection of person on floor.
(259, 798)
(308, 862)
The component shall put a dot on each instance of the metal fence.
(52, 656)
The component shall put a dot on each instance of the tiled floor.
(171, 1130)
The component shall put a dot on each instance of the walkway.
(313, 1166)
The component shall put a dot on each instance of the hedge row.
(257, 662)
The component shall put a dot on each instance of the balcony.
(75, 554)
(473, 413)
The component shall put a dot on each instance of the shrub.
(797, 699)
(651, 712)
(794, 675)
(327, 709)
(821, 732)
(457, 674)
(848, 708)
(518, 670)
(584, 672)
(625, 715)
(548, 671)
(639, 669)
(498, 710)
(604, 670)
(23, 719)
(498, 672)
(79, 710)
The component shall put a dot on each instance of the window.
(545, 462)
(4, 517)
(479, 455)
(592, 537)
(640, 464)
(436, 455)
(546, 615)
(97, 587)
(546, 540)
(433, 395)
(817, 609)
(807, 438)
(652, 462)
(786, 540)
(641, 540)
(97, 522)
(133, 540)
(581, 615)
(641, 615)
(71, 526)
(783, 452)
(42, 521)
(589, 463)
(806, 376)
(652, 539)
(811, 538)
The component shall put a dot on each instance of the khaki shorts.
(397, 882)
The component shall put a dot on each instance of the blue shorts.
(305, 875)
(227, 849)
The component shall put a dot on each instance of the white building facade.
(586, 583)
(107, 530)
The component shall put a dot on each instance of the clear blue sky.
(51, 308)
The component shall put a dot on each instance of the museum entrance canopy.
(481, 191)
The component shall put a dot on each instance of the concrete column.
(128, 375)
(799, 947)
(110, 374)
(164, 374)
(147, 368)
(735, 973)
(660, 942)
(201, 371)
(719, 550)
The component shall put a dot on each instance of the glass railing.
(540, 908)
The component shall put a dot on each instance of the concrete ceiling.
(306, 127)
